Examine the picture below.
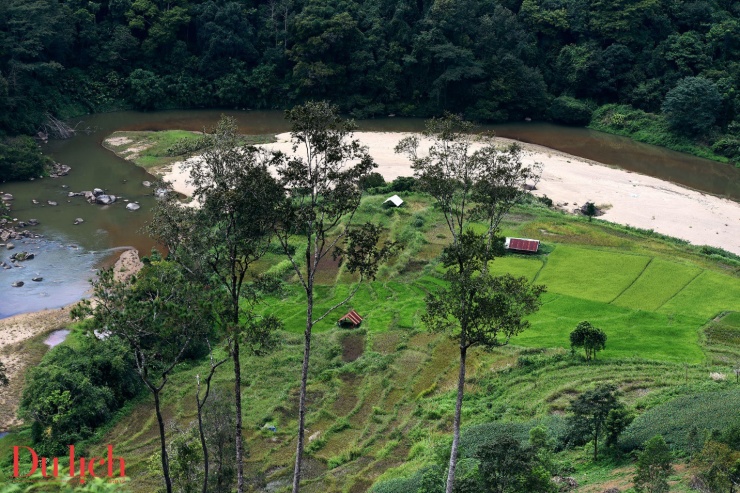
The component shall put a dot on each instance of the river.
(71, 253)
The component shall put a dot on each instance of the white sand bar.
(635, 199)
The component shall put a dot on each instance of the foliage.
(591, 339)
(653, 467)
(719, 467)
(508, 467)
(589, 415)
(653, 129)
(570, 111)
(21, 159)
(72, 392)
(692, 105)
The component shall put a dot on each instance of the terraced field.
(381, 398)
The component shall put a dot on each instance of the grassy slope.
(382, 397)
(152, 150)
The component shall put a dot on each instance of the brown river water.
(69, 254)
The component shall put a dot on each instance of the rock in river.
(37, 279)
(51, 202)
(21, 256)
(146, 183)
(132, 206)
(105, 199)
(98, 191)
(17, 284)
(79, 220)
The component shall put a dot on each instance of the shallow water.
(56, 338)
(66, 270)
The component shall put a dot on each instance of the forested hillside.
(493, 60)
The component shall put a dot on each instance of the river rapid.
(69, 254)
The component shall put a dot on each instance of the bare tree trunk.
(165, 459)
(458, 414)
(238, 432)
(204, 447)
(304, 381)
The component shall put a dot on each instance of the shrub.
(570, 111)
(21, 159)
(373, 180)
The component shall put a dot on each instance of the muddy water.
(76, 250)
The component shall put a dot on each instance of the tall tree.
(219, 241)
(161, 317)
(322, 182)
(472, 180)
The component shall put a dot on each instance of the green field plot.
(516, 266)
(706, 296)
(591, 274)
(660, 281)
(630, 333)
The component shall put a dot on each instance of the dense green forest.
(492, 60)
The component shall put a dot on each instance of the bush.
(73, 392)
(21, 159)
(373, 180)
(570, 111)
(691, 107)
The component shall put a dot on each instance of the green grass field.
(153, 149)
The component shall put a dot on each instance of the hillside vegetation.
(381, 398)
(666, 70)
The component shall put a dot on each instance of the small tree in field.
(588, 337)
(472, 180)
(653, 467)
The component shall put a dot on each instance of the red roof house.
(522, 245)
(351, 320)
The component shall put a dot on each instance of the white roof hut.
(395, 200)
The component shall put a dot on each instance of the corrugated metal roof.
(522, 244)
(352, 317)
(396, 200)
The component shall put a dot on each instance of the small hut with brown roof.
(351, 320)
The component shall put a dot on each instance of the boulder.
(9, 246)
(104, 199)
(97, 191)
(37, 279)
(132, 206)
(22, 256)
(35, 202)
(146, 183)
(51, 202)
(17, 284)
(79, 220)
(33, 222)
(161, 192)
(7, 196)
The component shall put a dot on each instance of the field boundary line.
(633, 280)
(702, 271)
(544, 263)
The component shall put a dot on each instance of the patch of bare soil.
(353, 345)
